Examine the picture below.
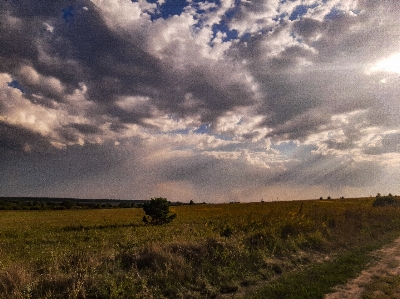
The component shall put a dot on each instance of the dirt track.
(388, 265)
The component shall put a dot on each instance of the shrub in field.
(157, 211)
(382, 201)
(226, 231)
(68, 204)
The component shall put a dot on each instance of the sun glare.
(390, 64)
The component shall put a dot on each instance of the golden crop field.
(208, 251)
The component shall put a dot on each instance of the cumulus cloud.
(222, 98)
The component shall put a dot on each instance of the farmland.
(208, 251)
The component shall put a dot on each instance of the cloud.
(332, 172)
(222, 98)
(19, 111)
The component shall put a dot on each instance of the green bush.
(382, 201)
(227, 231)
(157, 211)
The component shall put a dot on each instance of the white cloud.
(17, 110)
(131, 103)
(172, 39)
(120, 13)
(48, 27)
(46, 83)
(390, 64)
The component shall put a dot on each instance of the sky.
(211, 101)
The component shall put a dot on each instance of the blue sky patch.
(17, 85)
(300, 11)
(168, 8)
(280, 17)
(245, 37)
(203, 129)
(286, 148)
(68, 14)
(223, 27)
(230, 13)
(216, 2)
(181, 131)
(334, 13)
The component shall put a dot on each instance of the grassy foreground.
(259, 250)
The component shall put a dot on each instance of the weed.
(227, 231)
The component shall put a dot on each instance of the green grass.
(386, 287)
(319, 279)
(207, 251)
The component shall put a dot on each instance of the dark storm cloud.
(212, 93)
(195, 169)
(82, 48)
(16, 41)
(17, 139)
(390, 144)
(207, 172)
(116, 64)
(307, 28)
(69, 172)
(86, 128)
(286, 94)
(300, 126)
(113, 65)
(21, 30)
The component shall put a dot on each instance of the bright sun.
(390, 64)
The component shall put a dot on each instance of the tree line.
(7, 204)
(45, 203)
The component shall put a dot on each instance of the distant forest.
(46, 203)
(49, 203)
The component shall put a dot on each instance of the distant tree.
(191, 202)
(68, 204)
(321, 198)
(382, 201)
(329, 197)
(157, 211)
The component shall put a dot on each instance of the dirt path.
(387, 266)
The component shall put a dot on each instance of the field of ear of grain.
(208, 251)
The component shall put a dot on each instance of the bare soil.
(387, 264)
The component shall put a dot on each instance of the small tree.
(382, 201)
(157, 211)
(68, 204)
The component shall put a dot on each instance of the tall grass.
(206, 252)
